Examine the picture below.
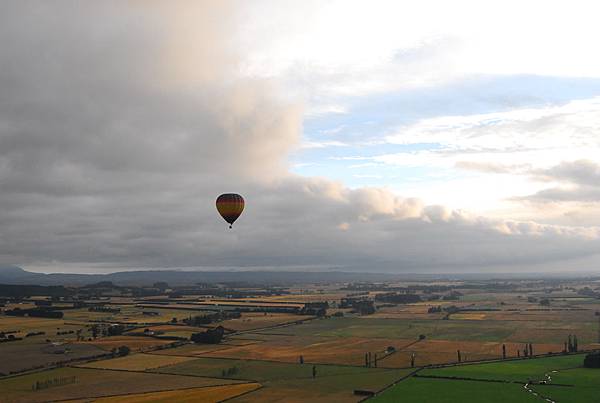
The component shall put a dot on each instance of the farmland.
(439, 340)
(208, 394)
(560, 378)
(88, 383)
(137, 362)
(447, 391)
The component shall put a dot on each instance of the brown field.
(174, 328)
(328, 296)
(240, 342)
(469, 316)
(250, 304)
(406, 315)
(209, 394)
(257, 320)
(133, 342)
(19, 356)
(528, 315)
(191, 350)
(556, 332)
(332, 350)
(137, 362)
(93, 383)
(26, 324)
(183, 308)
(443, 351)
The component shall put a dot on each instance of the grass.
(563, 370)
(521, 370)
(586, 390)
(421, 390)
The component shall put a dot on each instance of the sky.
(379, 136)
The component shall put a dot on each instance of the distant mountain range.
(16, 275)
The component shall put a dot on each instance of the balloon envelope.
(230, 206)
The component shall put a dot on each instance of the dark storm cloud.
(121, 122)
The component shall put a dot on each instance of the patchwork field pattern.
(92, 383)
(292, 357)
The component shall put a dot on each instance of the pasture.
(565, 380)
(422, 390)
(92, 383)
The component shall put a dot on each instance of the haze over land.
(375, 137)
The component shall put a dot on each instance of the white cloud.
(116, 138)
(322, 144)
(328, 50)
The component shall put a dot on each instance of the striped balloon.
(230, 206)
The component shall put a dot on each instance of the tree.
(211, 336)
(592, 360)
(161, 285)
(94, 330)
(530, 350)
(123, 351)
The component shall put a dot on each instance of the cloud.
(121, 122)
(580, 172)
(579, 182)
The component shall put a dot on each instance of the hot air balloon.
(230, 206)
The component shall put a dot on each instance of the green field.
(570, 382)
(586, 390)
(520, 371)
(422, 390)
